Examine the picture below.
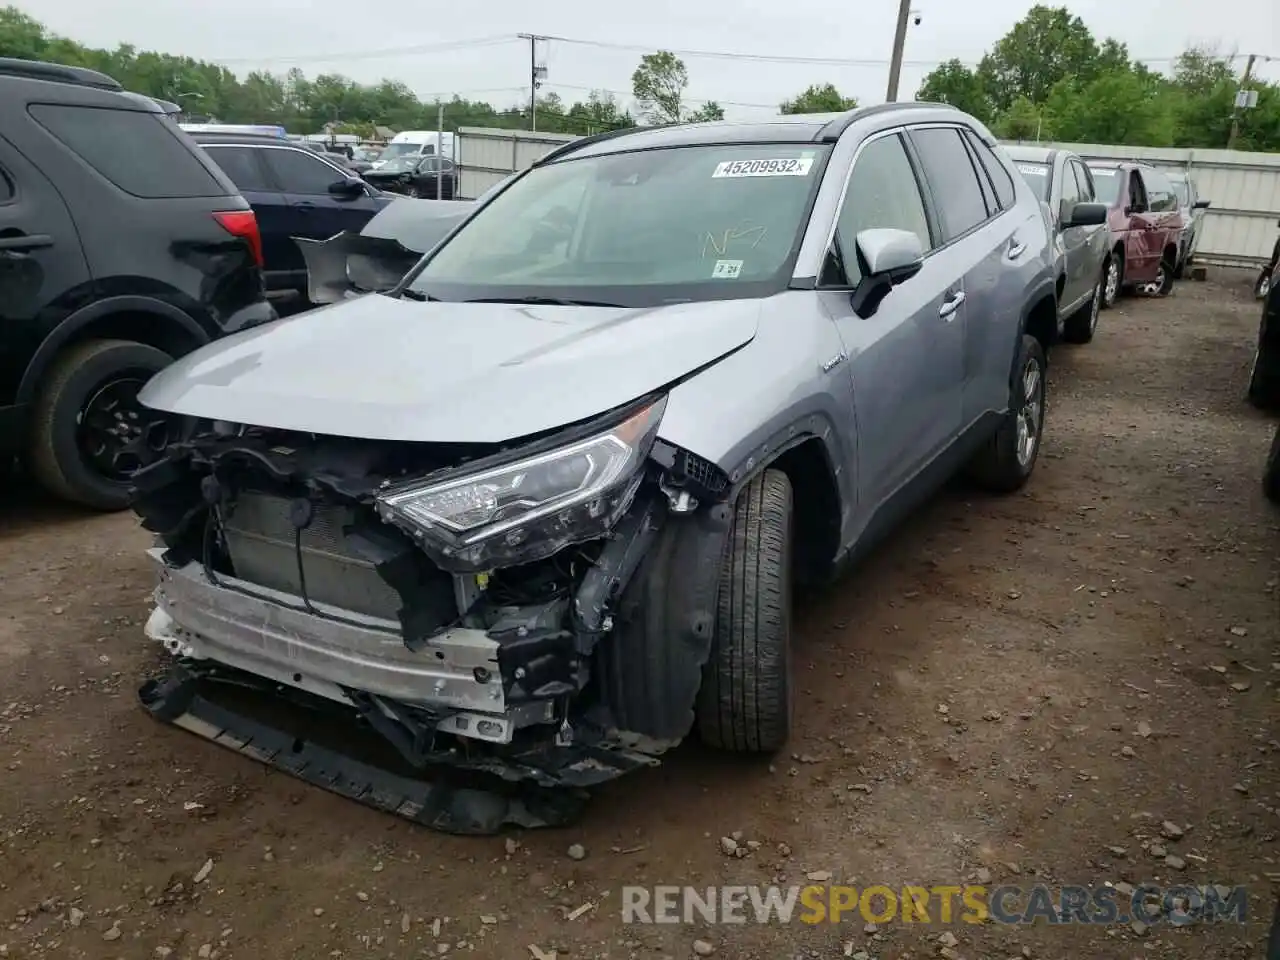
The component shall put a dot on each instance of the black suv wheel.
(89, 433)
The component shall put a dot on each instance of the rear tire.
(746, 703)
(1005, 463)
(1271, 473)
(1081, 325)
(57, 457)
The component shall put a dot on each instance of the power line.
(371, 54)
(697, 100)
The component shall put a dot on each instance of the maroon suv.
(1145, 221)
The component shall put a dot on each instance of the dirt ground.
(1012, 690)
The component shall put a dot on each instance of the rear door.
(245, 166)
(305, 179)
(43, 273)
(979, 248)
(1164, 211)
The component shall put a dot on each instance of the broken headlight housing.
(530, 508)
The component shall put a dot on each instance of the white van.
(417, 143)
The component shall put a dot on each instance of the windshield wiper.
(411, 294)
(545, 301)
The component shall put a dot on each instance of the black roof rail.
(832, 129)
(567, 148)
(57, 72)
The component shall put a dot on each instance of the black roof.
(57, 73)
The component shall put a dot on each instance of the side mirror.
(347, 187)
(1083, 214)
(1200, 205)
(888, 257)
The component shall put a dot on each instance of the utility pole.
(536, 75)
(899, 44)
(1235, 112)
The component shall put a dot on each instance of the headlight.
(528, 509)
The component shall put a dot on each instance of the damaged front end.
(463, 603)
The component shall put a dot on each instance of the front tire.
(1112, 279)
(1005, 463)
(89, 434)
(746, 703)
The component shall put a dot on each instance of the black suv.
(121, 247)
(296, 192)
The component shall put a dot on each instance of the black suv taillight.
(243, 224)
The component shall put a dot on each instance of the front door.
(906, 359)
(305, 179)
(1142, 246)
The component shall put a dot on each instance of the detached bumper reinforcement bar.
(438, 804)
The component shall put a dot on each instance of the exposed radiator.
(260, 539)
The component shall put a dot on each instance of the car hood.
(381, 368)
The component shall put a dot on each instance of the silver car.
(1193, 208)
(539, 510)
(1060, 179)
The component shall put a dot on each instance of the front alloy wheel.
(1111, 288)
(1031, 415)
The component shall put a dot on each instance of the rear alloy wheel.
(745, 702)
(90, 434)
(1081, 325)
(1263, 286)
(411, 191)
(1005, 463)
(1113, 277)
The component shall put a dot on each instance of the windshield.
(394, 150)
(642, 228)
(1180, 191)
(1106, 184)
(1037, 176)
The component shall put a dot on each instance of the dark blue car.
(295, 192)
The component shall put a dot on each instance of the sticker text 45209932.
(793, 167)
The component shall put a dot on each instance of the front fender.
(745, 410)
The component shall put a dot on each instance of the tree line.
(1048, 78)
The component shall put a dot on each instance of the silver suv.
(539, 510)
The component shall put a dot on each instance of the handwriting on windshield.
(719, 243)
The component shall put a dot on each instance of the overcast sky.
(370, 41)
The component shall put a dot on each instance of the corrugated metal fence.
(486, 156)
(1243, 188)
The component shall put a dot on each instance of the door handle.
(305, 205)
(951, 305)
(26, 241)
(1015, 250)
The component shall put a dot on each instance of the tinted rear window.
(141, 153)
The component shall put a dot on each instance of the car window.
(952, 180)
(1070, 188)
(1182, 192)
(241, 165)
(429, 165)
(1107, 183)
(6, 188)
(710, 221)
(984, 182)
(996, 171)
(299, 172)
(141, 153)
(882, 192)
(1160, 195)
(1083, 182)
(1037, 177)
(1137, 194)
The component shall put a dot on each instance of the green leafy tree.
(708, 111)
(818, 98)
(954, 83)
(1120, 106)
(658, 85)
(1023, 121)
(1048, 45)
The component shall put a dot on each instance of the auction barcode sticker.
(792, 167)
